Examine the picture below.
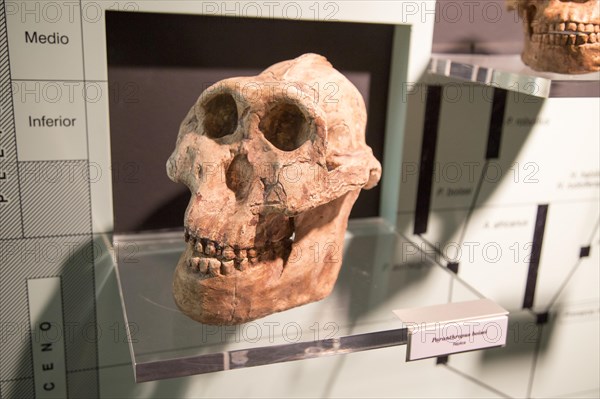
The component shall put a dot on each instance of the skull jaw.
(271, 285)
(562, 59)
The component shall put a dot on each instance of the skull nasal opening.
(220, 116)
(285, 126)
(239, 176)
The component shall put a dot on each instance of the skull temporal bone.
(267, 158)
(560, 35)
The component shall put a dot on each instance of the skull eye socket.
(285, 126)
(220, 116)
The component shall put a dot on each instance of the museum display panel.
(473, 263)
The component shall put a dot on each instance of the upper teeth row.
(565, 39)
(566, 26)
(214, 249)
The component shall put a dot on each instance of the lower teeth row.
(211, 249)
(214, 267)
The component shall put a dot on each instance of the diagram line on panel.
(563, 285)
(17, 379)
(85, 108)
(536, 355)
(595, 231)
(59, 80)
(50, 236)
(437, 250)
(62, 309)
(493, 146)
(536, 253)
(427, 159)
(476, 381)
(91, 226)
(30, 345)
(494, 142)
(571, 273)
(473, 203)
(453, 275)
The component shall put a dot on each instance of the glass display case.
(382, 271)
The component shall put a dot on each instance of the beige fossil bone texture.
(560, 36)
(274, 163)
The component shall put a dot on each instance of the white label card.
(452, 328)
(446, 338)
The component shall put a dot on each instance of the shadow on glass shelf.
(381, 271)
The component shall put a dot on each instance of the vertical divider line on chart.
(495, 128)
(62, 309)
(428, 148)
(496, 124)
(92, 249)
(536, 252)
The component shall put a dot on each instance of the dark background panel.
(475, 27)
(158, 64)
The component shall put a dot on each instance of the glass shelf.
(510, 73)
(382, 271)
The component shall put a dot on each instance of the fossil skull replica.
(560, 35)
(274, 163)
